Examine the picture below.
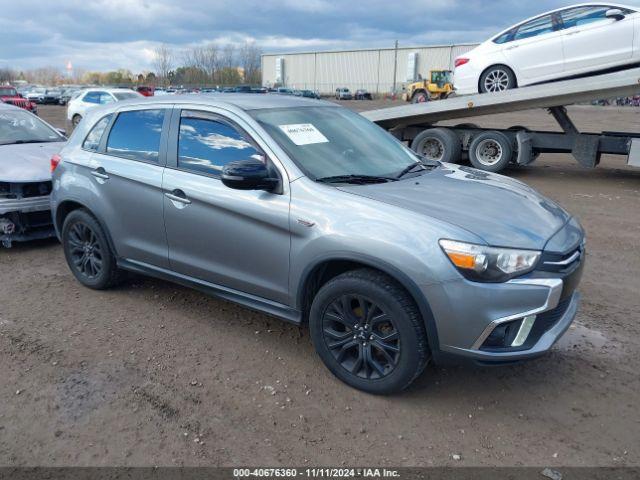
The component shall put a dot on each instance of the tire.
(439, 144)
(490, 151)
(497, 78)
(351, 347)
(87, 251)
(75, 120)
(420, 97)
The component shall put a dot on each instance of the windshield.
(332, 141)
(7, 92)
(125, 95)
(22, 127)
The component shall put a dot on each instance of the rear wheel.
(368, 332)
(438, 144)
(87, 251)
(498, 78)
(490, 151)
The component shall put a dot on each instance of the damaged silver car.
(26, 146)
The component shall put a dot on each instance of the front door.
(232, 238)
(593, 41)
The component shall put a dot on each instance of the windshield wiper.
(20, 142)
(357, 179)
(425, 164)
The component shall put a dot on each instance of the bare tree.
(163, 62)
(249, 60)
(7, 75)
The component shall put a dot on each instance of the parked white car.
(91, 97)
(569, 41)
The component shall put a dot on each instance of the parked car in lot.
(146, 91)
(51, 96)
(67, 94)
(343, 94)
(93, 97)
(362, 94)
(36, 94)
(10, 95)
(26, 146)
(309, 94)
(307, 211)
(566, 42)
(284, 91)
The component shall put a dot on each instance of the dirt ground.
(155, 374)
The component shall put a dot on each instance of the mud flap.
(525, 149)
(586, 150)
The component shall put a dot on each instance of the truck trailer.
(492, 149)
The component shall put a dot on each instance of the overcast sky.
(107, 34)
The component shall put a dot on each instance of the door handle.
(100, 173)
(572, 33)
(513, 47)
(179, 196)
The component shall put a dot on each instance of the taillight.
(55, 161)
(461, 61)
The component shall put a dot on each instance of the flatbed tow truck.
(493, 149)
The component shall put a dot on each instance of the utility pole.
(395, 67)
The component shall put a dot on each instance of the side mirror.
(615, 13)
(249, 174)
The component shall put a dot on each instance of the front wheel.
(420, 97)
(498, 78)
(369, 332)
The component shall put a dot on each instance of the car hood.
(502, 211)
(28, 162)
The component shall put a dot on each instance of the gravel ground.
(155, 374)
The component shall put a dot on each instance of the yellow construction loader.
(438, 86)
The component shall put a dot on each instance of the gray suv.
(307, 211)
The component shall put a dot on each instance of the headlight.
(489, 264)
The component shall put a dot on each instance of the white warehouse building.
(371, 69)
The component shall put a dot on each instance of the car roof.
(107, 89)
(566, 7)
(243, 101)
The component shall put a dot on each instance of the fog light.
(523, 331)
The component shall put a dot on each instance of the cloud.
(108, 34)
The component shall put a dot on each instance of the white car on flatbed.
(563, 43)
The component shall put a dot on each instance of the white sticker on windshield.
(303, 134)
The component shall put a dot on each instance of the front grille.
(561, 262)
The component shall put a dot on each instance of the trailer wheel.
(490, 151)
(438, 144)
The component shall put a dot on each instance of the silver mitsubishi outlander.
(307, 211)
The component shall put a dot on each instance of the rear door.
(232, 238)
(535, 49)
(127, 173)
(592, 41)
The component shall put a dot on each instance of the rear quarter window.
(92, 140)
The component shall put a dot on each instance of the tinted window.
(92, 97)
(504, 38)
(125, 95)
(136, 135)
(206, 145)
(575, 17)
(106, 98)
(92, 142)
(536, 27)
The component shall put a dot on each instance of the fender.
(393, 272)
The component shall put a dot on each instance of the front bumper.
(468, 313)
(25, 219)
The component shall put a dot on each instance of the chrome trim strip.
(553, 298)
(571, 259)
